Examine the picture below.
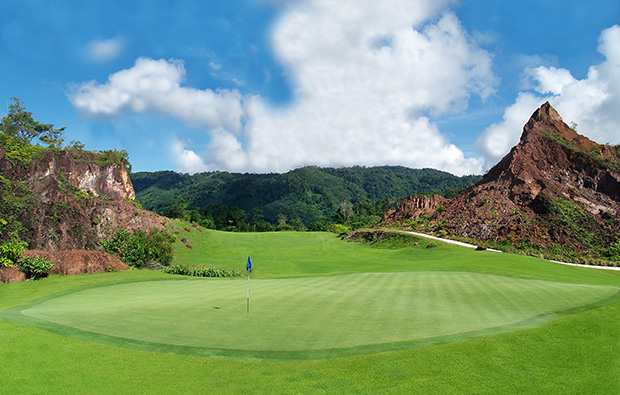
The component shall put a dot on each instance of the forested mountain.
(309, 194)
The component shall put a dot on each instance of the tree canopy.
(19, 123)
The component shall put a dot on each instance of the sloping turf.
(308, 317)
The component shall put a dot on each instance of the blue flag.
(249, 267)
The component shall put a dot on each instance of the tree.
(236, 219)
(176, 209)
(19, 123)
(256, 216)
(344, 212)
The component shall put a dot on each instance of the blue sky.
(271, 85)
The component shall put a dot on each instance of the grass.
(307, 318)
(573, 353)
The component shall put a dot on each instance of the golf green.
(307, 317)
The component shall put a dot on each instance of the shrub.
(138, 248)
(35, 267)
(119, 158)
(11, 252)
(338, 229)
(201, 271)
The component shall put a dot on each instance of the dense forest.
(308, 197)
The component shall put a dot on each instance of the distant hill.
(556, 193)
(310, 194)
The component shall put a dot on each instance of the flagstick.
(248, 304)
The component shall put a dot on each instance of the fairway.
(307, 317)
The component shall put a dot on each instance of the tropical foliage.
(139, 248)
(309, 197)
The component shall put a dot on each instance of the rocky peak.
(556, 187)
(553, 157)
(546, 120)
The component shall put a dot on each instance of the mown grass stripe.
(306, 317)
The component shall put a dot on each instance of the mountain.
(556, 192)
(65, 199)
(310, 194)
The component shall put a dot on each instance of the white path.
(460, 243)
(587, 266)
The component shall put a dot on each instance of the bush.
(139, 248)
(35, 267)
(11, 252)
(201, 271)
(338, 229)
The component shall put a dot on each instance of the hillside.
(310, 194)
(556, 193)
(65, 199)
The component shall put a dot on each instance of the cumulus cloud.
(104, 50)
(549, 79)
(187, 160)
(155, 86)
(592, 103)
(368, 78)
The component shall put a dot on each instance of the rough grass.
(577, 353)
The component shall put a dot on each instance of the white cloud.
(366, 75)
(104, 50)
(187, 160)
(592, 102)
(549, 79)
(155, 85)
(363, 77)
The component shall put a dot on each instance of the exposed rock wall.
(78, 168)
(414, 206)
(74, 201)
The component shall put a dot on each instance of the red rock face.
(76, 202)
(551, 162)
(413, 207)
(10, 274)
(79, 261)
(83, 172)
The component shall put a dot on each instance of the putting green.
(308, 317)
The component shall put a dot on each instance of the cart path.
(460, 243)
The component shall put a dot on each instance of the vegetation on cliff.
(54, 197)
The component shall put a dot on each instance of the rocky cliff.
(415, 206)
(554, 191)
(68, 199)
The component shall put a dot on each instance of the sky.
(272, 85)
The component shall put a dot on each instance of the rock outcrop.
(70, 199)
(414, 207)
(79, 261)
(555, 188)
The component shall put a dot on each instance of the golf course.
(324, 315)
